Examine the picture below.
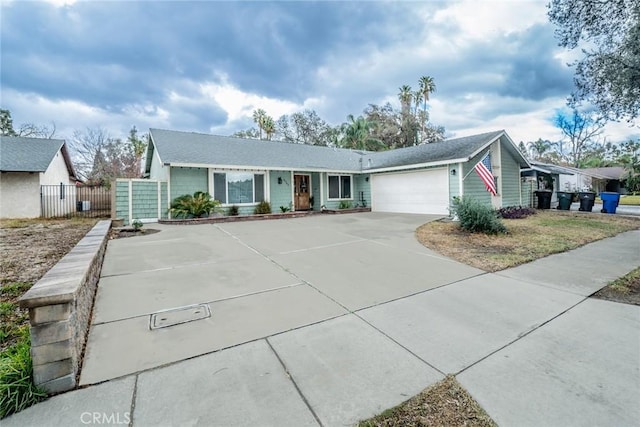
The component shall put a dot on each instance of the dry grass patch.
(445, 403)
(625, 289)
(546, 233)
(28, 249)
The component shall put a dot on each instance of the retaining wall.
(60, 305)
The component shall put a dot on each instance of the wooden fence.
(66, 201)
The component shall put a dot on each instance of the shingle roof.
(20, 154)
(443, 151)
(195, 148)
(188, 148)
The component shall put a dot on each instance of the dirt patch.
(445, 403)
(625, 289)
(120, 233)
(28, 249)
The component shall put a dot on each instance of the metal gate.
(66, 201)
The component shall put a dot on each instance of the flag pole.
(474, 166)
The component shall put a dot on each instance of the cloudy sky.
(205, 66)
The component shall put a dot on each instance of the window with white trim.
(340, 187)
(238, 188)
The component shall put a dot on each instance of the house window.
(237, 188)
(340, 187)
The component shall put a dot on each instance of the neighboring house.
(608, 179)
(26, 164)
(242, 172)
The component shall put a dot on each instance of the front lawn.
(539, 235)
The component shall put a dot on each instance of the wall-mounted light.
(367, 179)
(453, 172)
(279, 180)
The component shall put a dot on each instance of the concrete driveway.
(257, 279)
(327, 320)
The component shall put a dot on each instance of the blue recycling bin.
(609, 202)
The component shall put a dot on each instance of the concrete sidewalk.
(527, 343)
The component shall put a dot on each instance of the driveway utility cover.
(164, 319)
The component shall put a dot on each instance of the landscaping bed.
(625, 289)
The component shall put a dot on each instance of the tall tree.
(99, 159)
(581, 130)
(608, 32)
(358, 135)
(269, 126)
(139, 145)
(405, 95)
(6, 123)
(259, 116)
(26, 129)
(427, 87)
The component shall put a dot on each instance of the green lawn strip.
(445, 403)
(630, 200)
(17, 390)
(626, 289)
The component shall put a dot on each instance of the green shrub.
(263, 208)
(284, 209)
(476, 217)
(17, 390)
(233, 211)
(344, 204)
(137, 224)
(199, 205)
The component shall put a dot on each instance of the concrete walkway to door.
(326, 320)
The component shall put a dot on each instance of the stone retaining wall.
(60, 305)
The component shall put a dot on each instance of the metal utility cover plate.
(176, 316)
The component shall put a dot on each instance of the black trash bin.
(564, 200)
(79, 206)
(544, 199)
(587, 198)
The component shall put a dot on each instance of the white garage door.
(424, 192)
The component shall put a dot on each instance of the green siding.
(510, 178)
(122, 200)
(145, 199)
(188, 181)
(362, 190)
(528, 188)
(315, 190)
(472, 184)
(280, 194)
(164, 203)
(454, 182)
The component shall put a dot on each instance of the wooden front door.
(301, 191)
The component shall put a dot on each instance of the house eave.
(417, 165)
(261, 168)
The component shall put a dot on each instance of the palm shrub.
(199, 205)
(263, 208)
(476, 217)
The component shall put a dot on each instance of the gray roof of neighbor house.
(187, 148)
(611, 172)
(21, 154)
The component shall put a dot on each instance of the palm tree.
(427, 86)
(258, 117)
(405, 96)
(269, 126)
(358, 135)
(539, 148)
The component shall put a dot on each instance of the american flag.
(483, 168)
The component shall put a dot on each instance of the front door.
(301, 192)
